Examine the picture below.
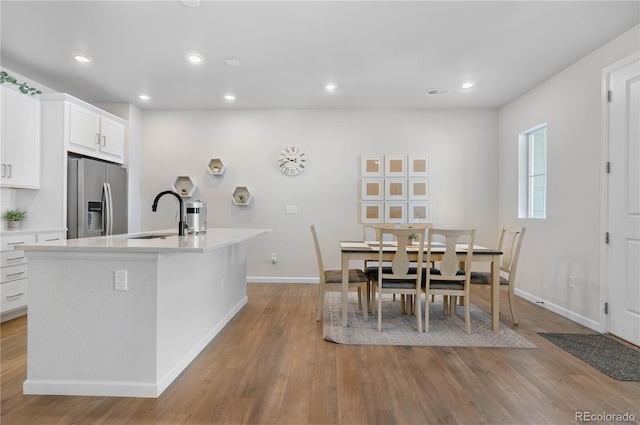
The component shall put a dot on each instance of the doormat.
(605, 354)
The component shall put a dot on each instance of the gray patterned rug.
(401, 329)
(605, 354)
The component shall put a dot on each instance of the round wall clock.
(292, 160)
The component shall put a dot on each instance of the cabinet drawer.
(11, 241)
(13, 258)
(50, 236)
(14, 273)
(14, 295)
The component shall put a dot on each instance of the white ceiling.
(381, 54)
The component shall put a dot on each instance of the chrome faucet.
(154, 207)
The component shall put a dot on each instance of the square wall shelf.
(242, 195)
(216, 167)
(185, 186)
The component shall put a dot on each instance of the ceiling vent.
(437, 92)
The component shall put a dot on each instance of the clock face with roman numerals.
(292, 160)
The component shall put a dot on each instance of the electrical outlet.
(572, 282)
(274, 258)
(120, 280)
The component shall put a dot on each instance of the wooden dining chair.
(332, 279)
(449, 280)
(401, 277)
(509, 243)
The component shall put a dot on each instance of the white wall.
(569, 240)
(461, 144)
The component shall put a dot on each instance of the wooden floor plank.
(269, 365)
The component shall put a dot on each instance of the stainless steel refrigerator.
(96, 198)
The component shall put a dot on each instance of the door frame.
(603, 324)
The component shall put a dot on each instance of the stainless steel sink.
(153, 236)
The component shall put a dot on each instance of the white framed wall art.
(372, 166)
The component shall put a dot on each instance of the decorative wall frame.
(395, 166)
(395, 212)
(419, 189)
(395, 189)
(372, 189)
(418, 166)
(419, 212)
(372, 212)
(372, 166)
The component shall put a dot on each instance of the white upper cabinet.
(82, 128)
(95, 134)
(20, 139)
(111, 137)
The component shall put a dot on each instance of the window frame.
(529, 206)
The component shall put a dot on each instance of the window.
(532, 196)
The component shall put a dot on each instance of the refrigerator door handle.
(105, 203)
(109, 208)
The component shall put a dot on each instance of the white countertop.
(214, 238)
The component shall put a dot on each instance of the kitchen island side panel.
(198, 294)
(85, 338)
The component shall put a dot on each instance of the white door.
(624, 204)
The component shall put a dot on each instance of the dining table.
(369, 251)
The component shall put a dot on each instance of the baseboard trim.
(585, 321)
(257, 279)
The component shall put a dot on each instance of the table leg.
(495, 293)
(345, 288)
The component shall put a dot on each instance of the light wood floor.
(270, 365)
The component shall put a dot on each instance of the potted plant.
(14, 217)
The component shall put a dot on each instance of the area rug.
(605, 354)
(401, 329)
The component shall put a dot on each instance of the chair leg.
(467, 316)
(359, 298)
(320, 302)
(426, 313)
(452, 305)
(365, 310)
(513, 311)
(379, 310)
(416, 308)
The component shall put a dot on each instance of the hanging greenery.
(23, 87)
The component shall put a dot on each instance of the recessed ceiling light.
(466, 85)
(330, 86)
(191, 3)
(82, 58)
(232, 61)
(195, 58)
(144, 97)
(229, 97)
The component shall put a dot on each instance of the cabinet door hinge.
(608, 167)
(606, 308)
(609, 96)
(606, 238)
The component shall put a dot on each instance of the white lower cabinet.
(14, 270)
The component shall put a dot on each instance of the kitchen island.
(124, 315)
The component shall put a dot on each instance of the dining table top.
(390, 246)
